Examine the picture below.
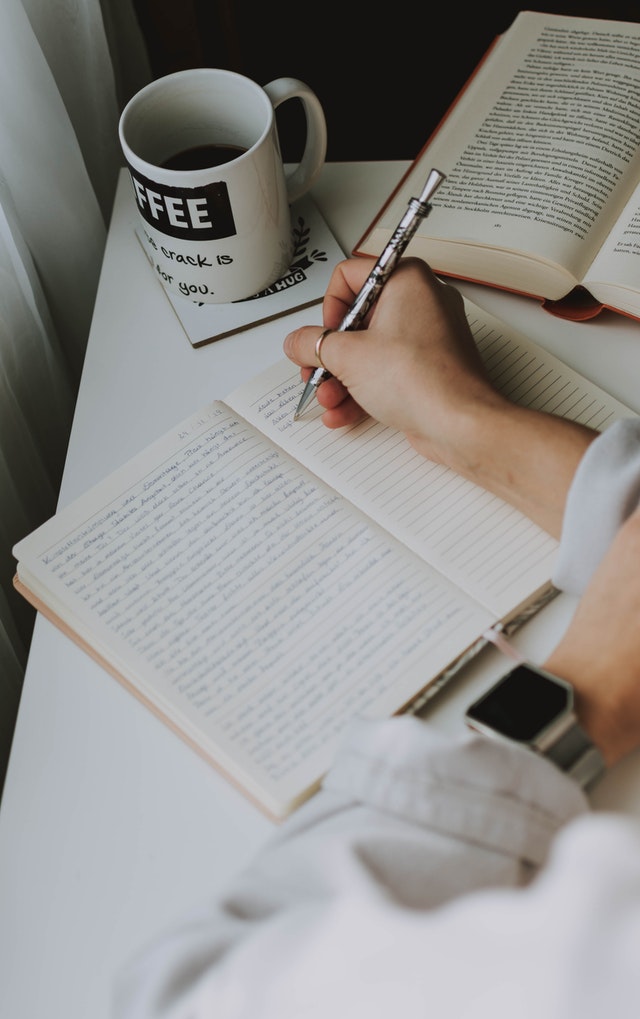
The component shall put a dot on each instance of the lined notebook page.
(246, 602)
(485, 546)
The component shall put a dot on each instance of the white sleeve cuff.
(605, 491)
(496, 795)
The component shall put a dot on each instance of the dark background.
(385, 74)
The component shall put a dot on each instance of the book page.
(246, 602)
(482, 544)
(614, 277)
(540, 153)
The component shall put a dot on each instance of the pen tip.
(309, 390)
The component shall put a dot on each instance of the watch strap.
(574, 753)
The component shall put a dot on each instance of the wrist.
(535, 708)
(600, 651)
(466, 434)
(595, 708)
(526, 457)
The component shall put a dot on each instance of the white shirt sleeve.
(389, 890)
(605, 491)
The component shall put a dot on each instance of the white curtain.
(66, 69)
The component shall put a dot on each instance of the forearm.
(604, 492)
(599, 558)
(527, 458)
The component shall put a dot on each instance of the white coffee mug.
(217, 233)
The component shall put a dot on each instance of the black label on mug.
(195, 214)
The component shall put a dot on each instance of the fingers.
(346, 281)
(318, 348)
(301, 346)
(340, 408)
(412, 353)
(345, 284)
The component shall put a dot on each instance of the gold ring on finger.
(319, 343)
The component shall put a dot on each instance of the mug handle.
(303, 176)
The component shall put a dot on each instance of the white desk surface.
(110, 826)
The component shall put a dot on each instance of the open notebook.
(258, 581)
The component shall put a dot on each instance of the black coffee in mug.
(200, 157)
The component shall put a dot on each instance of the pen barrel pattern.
(385, 265)
(417, 210)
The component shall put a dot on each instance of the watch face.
(521, 704)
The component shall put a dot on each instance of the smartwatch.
(534, 708)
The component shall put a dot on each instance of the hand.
(600, 652)
(417, 320)
(414, 366)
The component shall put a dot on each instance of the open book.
(542, 155)
(258, 581)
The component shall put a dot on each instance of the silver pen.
(417, 209)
